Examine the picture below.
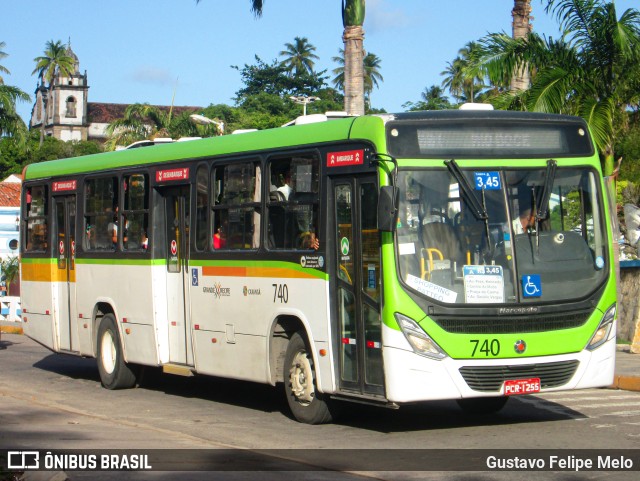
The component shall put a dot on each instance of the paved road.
(52, 401)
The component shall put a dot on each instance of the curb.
(626, 383)
(11, 330)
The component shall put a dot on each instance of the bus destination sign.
(64, 186)
(172, 174)
(348, 157)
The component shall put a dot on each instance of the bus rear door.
(177, 215)
(65, 249)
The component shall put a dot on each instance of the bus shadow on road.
(438, 415)
(425, 416)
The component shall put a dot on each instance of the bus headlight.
(604, 329)
(420, 342)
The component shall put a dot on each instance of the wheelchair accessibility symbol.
(531, 286)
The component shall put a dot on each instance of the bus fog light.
(604, 329)
(418, 339)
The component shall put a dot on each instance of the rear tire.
(114, 372)
(305, 402)
(482, 405)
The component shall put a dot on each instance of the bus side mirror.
(387, 208)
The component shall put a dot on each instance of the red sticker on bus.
(347, 157)
(172, 174)
(64, 185)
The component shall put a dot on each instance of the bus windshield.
(506, 253)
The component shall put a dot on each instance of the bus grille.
(490, 378)
(513, 325)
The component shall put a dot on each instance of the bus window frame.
(46, 252)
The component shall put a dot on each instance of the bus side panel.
(238, 312)
(127, 290)
(160, 314)
(37, 301)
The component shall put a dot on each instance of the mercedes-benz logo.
(520, 346)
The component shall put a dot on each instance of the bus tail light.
(604, 329)
(418, 339)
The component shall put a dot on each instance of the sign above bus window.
(172, 174)
(344, 158)
(64, 185)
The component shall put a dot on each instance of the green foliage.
(16, 154)
(10, 268)
(628, 147)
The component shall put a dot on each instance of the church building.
(69, 115)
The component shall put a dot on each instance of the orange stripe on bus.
(223, 271)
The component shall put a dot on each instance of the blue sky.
(144, 50)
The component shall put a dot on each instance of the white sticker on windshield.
(483, 284)
(432, 290)
(407, 248)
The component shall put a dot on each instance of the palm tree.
(299, 56)
(3, 69)
(57, 60)
(10, 122)
(371, 74)
(338, 80)
(144, 121)
(591, 72)
(521, 28)
(353, 12)
(463, 78)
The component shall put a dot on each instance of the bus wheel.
(114, 372)
(482, 405)
(305, 402)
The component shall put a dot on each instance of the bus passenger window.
(202, 208)
(236, 207)
(101, 213)
(135, 215)
(293, 203)
(36, 199)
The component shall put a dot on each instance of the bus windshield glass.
(508, 255)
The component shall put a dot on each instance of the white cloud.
(152, 75)
(384, 15)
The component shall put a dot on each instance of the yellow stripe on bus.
(46, 273)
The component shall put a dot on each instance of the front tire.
(114, 372)
(305, 402)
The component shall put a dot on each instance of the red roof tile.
(9, 194)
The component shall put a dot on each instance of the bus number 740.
(280, 291)
(486, 347)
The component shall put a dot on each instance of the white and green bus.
(382, 259)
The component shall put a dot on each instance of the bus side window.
(36, 211)
(293, 202)
(135, 215)
(101, 213)
(236, 211)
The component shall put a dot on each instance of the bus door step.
(178, 369)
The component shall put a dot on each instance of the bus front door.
(356, 292)
(65, 248)
(177, 209)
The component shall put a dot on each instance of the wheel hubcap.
(301, 378)
(108, 352)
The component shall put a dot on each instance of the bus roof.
(335, 130)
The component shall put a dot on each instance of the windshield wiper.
(545, 195)
(479, 208)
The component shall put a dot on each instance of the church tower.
(66, 116)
